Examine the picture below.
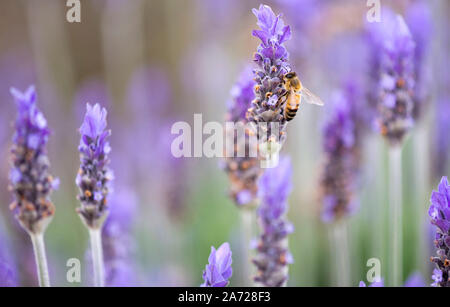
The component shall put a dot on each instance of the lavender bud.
(273, 255)
(94, 177)
(243, 170)
(271, 59)
(439, 213)
(218, 271)
(30, 180)
(393, 73)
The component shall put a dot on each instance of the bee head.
(290, 75)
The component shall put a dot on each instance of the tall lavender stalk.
(341, 144)
(273, 254)
(30, 180)
(242, 168)
(394, 102)
(93, 180)
(439, 213)
(271, 58)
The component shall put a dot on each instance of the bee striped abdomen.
(292, 105)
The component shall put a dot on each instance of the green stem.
(395, 204)
(41, 259)
(247, 216)
(97, 257)
(341, 249)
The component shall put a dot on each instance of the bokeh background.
(154, 62)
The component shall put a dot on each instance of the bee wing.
(310, 98)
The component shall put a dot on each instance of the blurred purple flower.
(29, 176)
(243, 172)
(341, 144)
(218, 271)
(439, 213)
(415, 280)
(273, 254)
(302, 14)
(242, 94)
(442, 141)
(393, 73)
(419, 19)
(118, 244)
(94, 177)
(148, 118)
(8, 269)
(272, 61)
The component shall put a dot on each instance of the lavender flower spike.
(243, 170)
(94, 179)
(272, 64)
(341, 142)
(273, 254)
(218, 271)
(395, 77)
(30, 180)
(439, 213)
(94, 176)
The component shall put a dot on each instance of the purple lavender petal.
(439, 213)
(218, 271)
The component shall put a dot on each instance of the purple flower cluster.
(439, 213)
(218, 271)
(393, 73)
(94, 176)
(273, 255)
(243, 171)
(419, 20)
(272, 64)
(341, 144)
(118, 245)
(29, 177)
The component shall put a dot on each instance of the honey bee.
(296, 93)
